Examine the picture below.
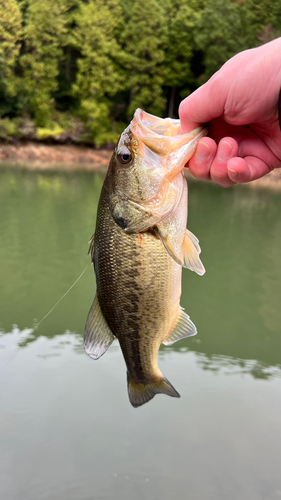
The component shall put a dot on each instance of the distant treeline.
(77, 69)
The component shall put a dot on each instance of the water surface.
(67, 429)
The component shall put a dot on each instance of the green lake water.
(67, 429)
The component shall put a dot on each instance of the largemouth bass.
(138, 250)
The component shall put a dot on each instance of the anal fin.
(183, 328)
(98, 336)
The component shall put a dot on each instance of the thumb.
(203, 105)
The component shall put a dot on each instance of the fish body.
(138, 250)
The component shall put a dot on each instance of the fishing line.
(46, 315)
(51, 310)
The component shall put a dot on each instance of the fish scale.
(134, 290)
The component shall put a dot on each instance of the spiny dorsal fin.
(190, 253)
(98, 336)
(183, 328)
(139, 394)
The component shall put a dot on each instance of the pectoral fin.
(183, 328)
(98, 336)
(190, 253)
(168, 245)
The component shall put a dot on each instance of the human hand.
(240, 103)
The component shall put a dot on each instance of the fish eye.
(124, 156)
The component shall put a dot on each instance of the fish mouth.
(155, 141)
(161, 134)
(167, 127)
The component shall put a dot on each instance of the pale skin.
(240, 105)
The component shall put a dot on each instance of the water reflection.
(11, 343)
(48, 218)
(232, 366)
(67, 428)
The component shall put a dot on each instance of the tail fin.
(139, 394)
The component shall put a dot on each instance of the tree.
(220, 34)
(182, 16)
(44, 35)
(10, 44)
(145, 39)
(98, 76)
(262, 20)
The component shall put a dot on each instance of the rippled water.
(67, 430)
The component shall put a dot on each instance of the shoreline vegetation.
(71, 158)
(74, 71)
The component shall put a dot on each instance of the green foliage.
(145, 38)
(44, 35)
(54, 130)
(98, 76)
(10, 43)
(182, 16)
(77, 69)
(261, 20)
(219, 34)
(8, 128)
(110, 136)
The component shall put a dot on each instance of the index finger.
(203, 105)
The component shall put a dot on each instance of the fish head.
(145, 178)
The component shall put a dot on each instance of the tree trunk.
(172, 102)
(67, 64)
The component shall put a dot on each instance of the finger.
(202, 106)
(256, 148)
(200, 164)
(227, 148)
(246, 169)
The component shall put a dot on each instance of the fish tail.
(140, 394)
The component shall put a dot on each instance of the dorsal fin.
(183, 328)
(98, 336)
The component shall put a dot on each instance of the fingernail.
(203, 152)
(224, 151)
(233, 173)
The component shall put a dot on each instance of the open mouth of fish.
(154, 138)
(161, 135)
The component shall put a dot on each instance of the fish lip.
(161, 136)
(172, 123)
(140, 115)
